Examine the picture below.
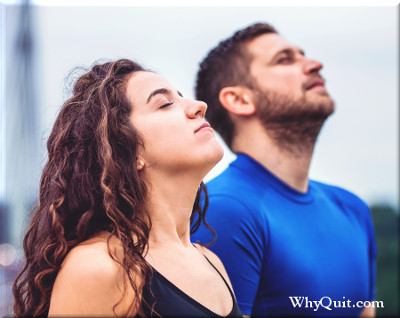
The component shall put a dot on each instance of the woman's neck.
(170, 205)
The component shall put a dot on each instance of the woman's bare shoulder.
(89, 281)
(91, 255)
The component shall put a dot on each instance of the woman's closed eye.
(166, 105)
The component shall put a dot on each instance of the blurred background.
(357, 148)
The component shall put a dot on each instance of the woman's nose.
(196, 108)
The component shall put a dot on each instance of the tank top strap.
(226, 283)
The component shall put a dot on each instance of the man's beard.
(293, 124)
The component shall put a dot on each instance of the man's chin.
(324, 104)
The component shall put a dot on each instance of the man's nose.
(312, 66)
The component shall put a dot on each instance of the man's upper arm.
(240, 245)
(366, 218)
(373, 251)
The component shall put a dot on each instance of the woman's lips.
(204, 126)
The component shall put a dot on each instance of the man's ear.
(237, 100)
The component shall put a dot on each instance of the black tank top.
(170, 301)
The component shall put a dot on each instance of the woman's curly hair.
(90, 184)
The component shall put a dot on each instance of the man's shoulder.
(233, 198)
(339, 195)
(231, 191)
(230, 173)
(232, 180)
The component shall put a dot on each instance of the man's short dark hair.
(226, 65)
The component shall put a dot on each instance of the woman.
(110, 236)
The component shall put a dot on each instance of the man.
(291, 246)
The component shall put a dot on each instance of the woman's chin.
(220, 153)
(215, 157)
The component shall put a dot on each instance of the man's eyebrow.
(163, 91)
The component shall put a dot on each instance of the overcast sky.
(358, 146)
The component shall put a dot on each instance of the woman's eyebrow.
(163, 91)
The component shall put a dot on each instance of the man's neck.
(291, 167)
